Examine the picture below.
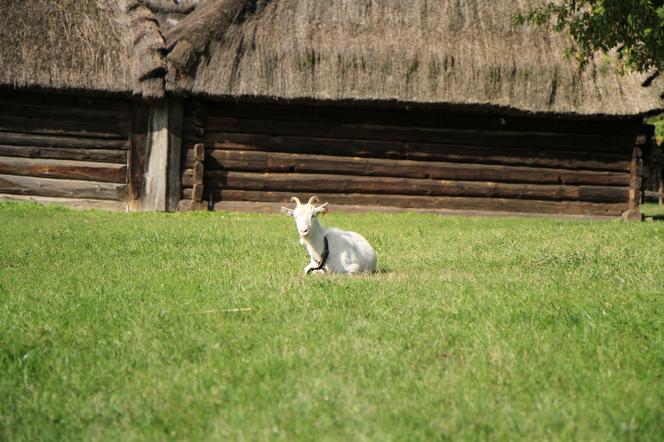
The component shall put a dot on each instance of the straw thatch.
(461, 52)
(442, 53)
(63, 44)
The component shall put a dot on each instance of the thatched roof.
(463, 52)
(441, 53)
(111, 46)
(63, 44)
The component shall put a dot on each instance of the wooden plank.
(62, 127)
(274, 207)
(154, 197)
(495, 138)
(651, 194)
(31, 139)
(83, 170)
(197, 192)
(72, 203)
(238, 160)
(174, 184)
(420, 151)
(194, 175)
(186, 205)
(22, 185)
(59, 101)
(403, 115)
(114, 118)
(636, 186)
(432, 202)
(285, 162)
(315, 183)
(193, 193)
(98, 155)
(198, 152)
(137, 154)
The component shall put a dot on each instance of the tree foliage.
(633, 28)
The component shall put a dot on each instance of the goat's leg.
(312, 265)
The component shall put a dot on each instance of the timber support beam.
(636, 181)
(155, 184)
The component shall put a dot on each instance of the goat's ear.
(286, 211)
(321, 209)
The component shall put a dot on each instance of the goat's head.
(305, 215)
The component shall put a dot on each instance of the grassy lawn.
(117, 327)
(653, 210)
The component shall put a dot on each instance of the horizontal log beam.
(98, 155)
(112, 118)
(75, 170)
(193, 193)
(193, 175)
(420, 151)
(22, 185)
(198, 152)
(651, 194)
(424, 118)
(61, 102)
(284, 162)
(315, 183)
(274, 207)
(187, 205)
(495, 138)
(429, 202)
(31, 139)
(72, 203)
(63, 127)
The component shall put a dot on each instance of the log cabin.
(233, 104)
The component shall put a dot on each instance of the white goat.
(331, 250)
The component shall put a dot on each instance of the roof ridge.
(189, 38)
(175, 51)
(149, 48)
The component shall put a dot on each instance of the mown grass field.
(116, 327)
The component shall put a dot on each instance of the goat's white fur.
(349, 252)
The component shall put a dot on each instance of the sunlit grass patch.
(200, 325)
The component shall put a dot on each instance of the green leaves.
(633, 28)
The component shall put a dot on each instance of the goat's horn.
(296, 199)
(313, 199)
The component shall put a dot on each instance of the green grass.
(112, 327)
(653, 210)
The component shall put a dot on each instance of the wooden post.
(174, 154)
(635, 186)
(197, 202)
(161, 184)
(137, 154)
(193, 178)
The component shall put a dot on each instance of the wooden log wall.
(400, 158)
(193, 161)
(64, 149)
